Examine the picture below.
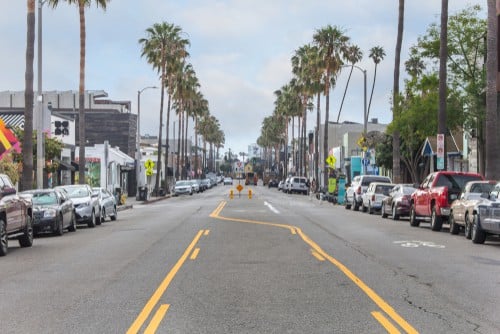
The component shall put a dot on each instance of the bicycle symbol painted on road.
(417, 243)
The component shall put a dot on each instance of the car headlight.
(49, 213)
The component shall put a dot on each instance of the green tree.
(377, 54)
(332, 43)
(27, 177)
(81, 88)
(162, 39)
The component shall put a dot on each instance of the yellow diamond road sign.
(149, 164)
(331, 160)
(239, 187)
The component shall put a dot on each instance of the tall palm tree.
(377, 53)
(443, 56)
(396, 154)
(353, 56)
(332, 44)
(157, 46)
(492, 168)
(27, 176)
(81, 88)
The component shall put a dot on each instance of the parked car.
(195, 185)
(273, 183)
(286, 185)
(16, 213)
(462, 209)
(298, 184)
(207, 184)
(87, 210)
(432, 200)
(53, 211)
(281, 185)
(107, 203)
(183, 187)
(486, 218)
(397, 204)
(358, 187)
(376, 192)
(228, 180)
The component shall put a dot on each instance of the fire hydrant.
(250, 193)
(231, 194)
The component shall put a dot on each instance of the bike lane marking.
(356, 280)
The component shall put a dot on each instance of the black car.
(53, 211)
(273, 183)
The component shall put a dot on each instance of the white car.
(374, 195)
(228, 180)
(183, 187)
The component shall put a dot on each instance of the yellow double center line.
(319, 253)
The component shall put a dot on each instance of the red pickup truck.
(433, 198)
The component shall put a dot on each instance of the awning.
(65, 166)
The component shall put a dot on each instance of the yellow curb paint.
(206, 232)
(146, 311)
(385, 323)
(157, 318)
(195, 254)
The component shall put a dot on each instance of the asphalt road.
(275, 263)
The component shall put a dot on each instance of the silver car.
(183, 188)
(107, 203)
(87, 210)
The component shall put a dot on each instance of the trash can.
(143, 193)
(118, 195)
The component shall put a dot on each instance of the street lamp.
(138, 167)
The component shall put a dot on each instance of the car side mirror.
(8, 191)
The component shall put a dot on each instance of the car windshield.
(44, 198)
(455, 182)
(183, 183)
(77, 192)
(481, 188)
(383, 189)
(367, 180)
(408, 190)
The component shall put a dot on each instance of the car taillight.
(405, 199)
(358, 191)
(373, 197)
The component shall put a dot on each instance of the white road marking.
(271, 208)
(418, 243)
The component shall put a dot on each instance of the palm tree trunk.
(167, 147)
(443, 56)
(396, 154)
(492, 157)
(345, 91)
(316, 138)
(187, 154)
(27, 176)
(371, 94)
(81, 98)
(178, 171)
(158, 160)
(325, 140)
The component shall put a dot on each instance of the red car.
(397, 204)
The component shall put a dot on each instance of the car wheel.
(103, 215)
(413, 217)
(4, 241)
(454, 228)
(26, 240)
(363, 207)
(436, 221)
(355, 205)
(382, 211)
(395, 216)
(478, 236)
(72, 225)
(91, 222)
(114, 215)
(467, 229)
(60, 228)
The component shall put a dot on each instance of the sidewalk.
(131, 201)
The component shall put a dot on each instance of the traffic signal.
(62, 128)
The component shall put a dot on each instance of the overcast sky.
(240, 51)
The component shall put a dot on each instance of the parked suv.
(16, 213)
(353, 195)
(298, 184)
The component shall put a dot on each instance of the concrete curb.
(151, 200)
